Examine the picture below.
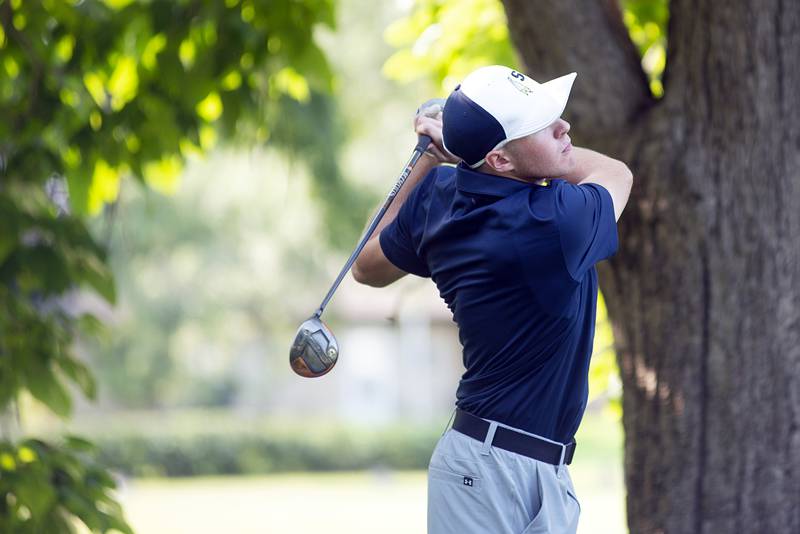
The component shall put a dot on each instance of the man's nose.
(563, 127)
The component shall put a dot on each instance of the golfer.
(510, 236)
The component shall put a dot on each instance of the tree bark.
(704, 292)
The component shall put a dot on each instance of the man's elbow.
(359, 274)
(628, 175)
(624, 173)
(363, 275)
(624, 177)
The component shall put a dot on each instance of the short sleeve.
(401, 238)
(587, 226)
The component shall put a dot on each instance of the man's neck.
(486, 169)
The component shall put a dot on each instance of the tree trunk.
(704, 293)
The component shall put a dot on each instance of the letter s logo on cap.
(517, 80)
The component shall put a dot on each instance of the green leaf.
(104, 187)
(35, 492)
(46, 388)
(79, 374)
(79, 444)
(91, 270)
(9, 227)
(44, 268)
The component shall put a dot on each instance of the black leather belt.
(510, 440)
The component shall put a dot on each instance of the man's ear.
(498, 161)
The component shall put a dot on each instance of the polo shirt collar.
(479, 183)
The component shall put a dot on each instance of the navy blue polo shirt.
(514, 262)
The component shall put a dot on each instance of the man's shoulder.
(441, 178)
(443, 173)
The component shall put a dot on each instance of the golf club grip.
(422, 144)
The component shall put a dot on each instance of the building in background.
(400, 358)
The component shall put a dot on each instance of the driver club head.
(315, 350)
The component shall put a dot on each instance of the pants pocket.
(575, 505)
(560, 508)
(539, 522)
(456, 470)
(455, 503)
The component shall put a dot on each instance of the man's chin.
(569, 164)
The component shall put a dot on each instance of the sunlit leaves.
(11, 66)
(124, 82)
(95, 84)
(210, 108)
(117, 4)
(163, 175)
(95, 122)
(646, 21)
(186, 53)
(104, 185)
(290, 82)
(248, 11)
(64, 48)
(444, 40)
(154, 45)
(232, 81)
(205, 61)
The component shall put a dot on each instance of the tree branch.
(557, 37)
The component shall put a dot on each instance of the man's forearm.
(588, 163)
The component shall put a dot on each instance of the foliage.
(98, 90)
(35, 333)
(131, 87)
(44, 487)
(646, 21)
(93, 91)
(215, 442)
(604, 381)
(444, 40)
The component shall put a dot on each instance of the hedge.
(263, 450)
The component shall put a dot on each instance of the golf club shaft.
(422, 145)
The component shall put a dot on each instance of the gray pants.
(476, 488)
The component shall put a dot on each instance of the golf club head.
(315, 350)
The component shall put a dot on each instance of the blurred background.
(182, 182)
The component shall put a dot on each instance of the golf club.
(315, 349)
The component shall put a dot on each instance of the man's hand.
(432, 126)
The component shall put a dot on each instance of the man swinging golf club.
(510, 236)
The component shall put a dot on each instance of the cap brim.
(558, 90)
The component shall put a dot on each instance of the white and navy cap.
(494, 105)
